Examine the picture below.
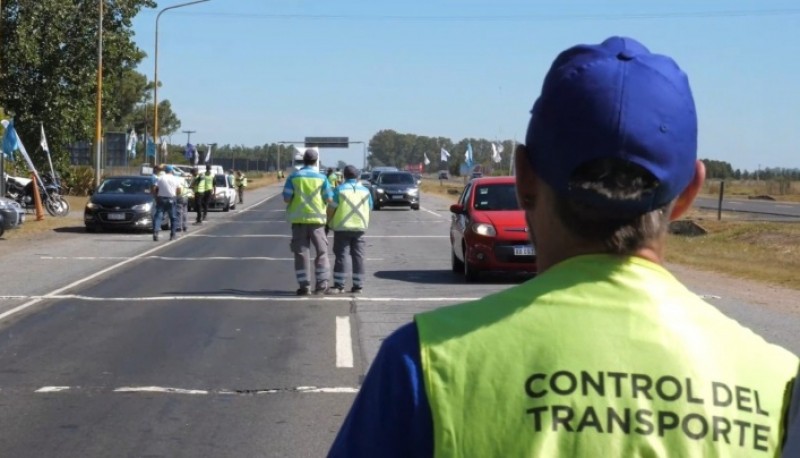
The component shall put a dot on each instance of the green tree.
(48, 67)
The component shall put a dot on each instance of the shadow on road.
(448, 277)
(235, 292)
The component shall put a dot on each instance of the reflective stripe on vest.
(601, 356)
(352, 214)
(307, 205)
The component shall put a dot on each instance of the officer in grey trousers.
(348, 216)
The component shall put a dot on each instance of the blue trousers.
(165, 205)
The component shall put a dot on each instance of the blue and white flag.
(496, 152)
(10, 139)
(468, 156)
(445, 155)
(188, 152)
(131, 146)
(150, 147)
(43, 144)
(208, 155)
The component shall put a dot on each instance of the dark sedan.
(395, 189)
(121, 202)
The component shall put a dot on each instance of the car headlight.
(413, 191)
(92, 206)
(484, 229)
(143, 207)
(379, 190)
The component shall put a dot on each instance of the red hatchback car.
(488, 231)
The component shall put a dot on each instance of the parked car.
(121, 202)
(364, 178)
(226, 197)
(395, 189)
(12, 215)
(488, 230)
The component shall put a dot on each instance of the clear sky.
(250, 72)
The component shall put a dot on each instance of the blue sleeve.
(391, 416)
(288, 188)
(791, 447)
(335, 197)
(327, 190)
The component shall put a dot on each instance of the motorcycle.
(49, 191)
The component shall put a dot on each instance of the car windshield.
(219, 181)
(125, 186)
(496, 197)
(397, 178)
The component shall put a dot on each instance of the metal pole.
(721, 193)
(155, 79)
(98, 125)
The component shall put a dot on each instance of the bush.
(78, 180)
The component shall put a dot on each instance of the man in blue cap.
(604, 353)
(167, 189)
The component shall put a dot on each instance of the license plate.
(116, 216)
(523, 251)
(397, 197)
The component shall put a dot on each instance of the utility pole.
(188, 135)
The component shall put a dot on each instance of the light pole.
(188, 135)
(155, 74)
(98, 132)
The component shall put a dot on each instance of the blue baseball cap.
(169, 169)
(614, 100)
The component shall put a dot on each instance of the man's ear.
(525, 178)
(684, 201)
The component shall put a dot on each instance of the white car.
(226, 196)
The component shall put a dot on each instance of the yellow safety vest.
(241, 182)
(352, 212)
(601, 356)
(307, 205)
(205, 183)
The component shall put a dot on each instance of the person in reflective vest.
(240, 181)
(307, 193)
(204, 188)
(333, 178)
(604, 352)
(348, 216)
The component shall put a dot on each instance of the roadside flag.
(427, 161)
(164, 148)
(132, 139)
(188, 152)
(150, 147)
(195, 156)
(496, 153)
(43, 144)
(468, 155)
(208, 155)
(10, 142)
(445, 155)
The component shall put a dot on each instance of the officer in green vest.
(348, 216)
(604, 352)
(204, 188)
(240, 181)
(308, 193)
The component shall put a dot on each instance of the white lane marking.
(344, 344)
(342, 298)
(733, 203)
(36, 299)
(709, 296)
(430, 211)
(51, 389)
(282, 236)
(338, 389)
(783, 206)
(172, 258)
(157, 389)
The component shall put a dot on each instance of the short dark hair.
(621, 180)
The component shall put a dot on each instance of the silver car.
(11, 214)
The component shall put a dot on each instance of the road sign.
(328, 142)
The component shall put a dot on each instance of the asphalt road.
(763, 209)
(113, 345)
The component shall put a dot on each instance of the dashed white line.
(173, 258)
(157, 389)
(431, 212)
(344, 344)
(51, 389)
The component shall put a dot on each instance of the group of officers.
(172, 199)
(317, 203)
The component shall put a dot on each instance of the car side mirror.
(458, 209)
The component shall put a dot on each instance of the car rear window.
(125, 186)
(397, 178)
(495, 197)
